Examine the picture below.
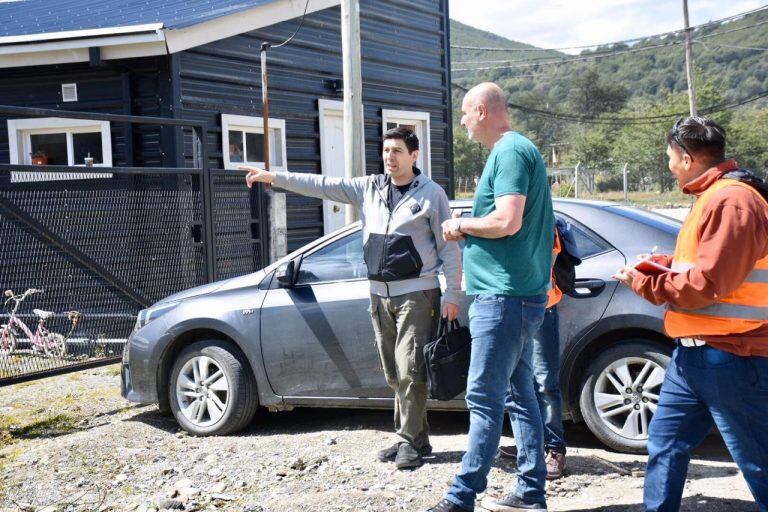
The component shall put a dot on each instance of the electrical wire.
(297, 28)
(637, 120)
(625, 41)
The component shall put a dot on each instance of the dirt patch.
(72, 443)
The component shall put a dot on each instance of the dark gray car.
(298, 333)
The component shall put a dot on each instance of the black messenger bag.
(447, 360)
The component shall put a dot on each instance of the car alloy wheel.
(626, 394)
(212, 390)
(620, 392)
(202, 391)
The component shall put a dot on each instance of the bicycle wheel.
(7, 342)
(56, 345)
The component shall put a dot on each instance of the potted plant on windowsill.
(39, 158)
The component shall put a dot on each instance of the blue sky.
(558, 23)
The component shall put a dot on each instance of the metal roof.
(28, 17)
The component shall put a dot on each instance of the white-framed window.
(419, 123)
(242, 140)
(59, 141)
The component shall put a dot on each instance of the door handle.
(336, 208)
(584, 288)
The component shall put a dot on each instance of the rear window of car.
(649, 218)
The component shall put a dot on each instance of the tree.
(468, 157)
(748, 139)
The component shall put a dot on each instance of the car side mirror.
(288, 276)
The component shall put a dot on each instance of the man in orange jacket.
(717, 308)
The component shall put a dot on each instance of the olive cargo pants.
(403, 325)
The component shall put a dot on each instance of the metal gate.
(95, 247)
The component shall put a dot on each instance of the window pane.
(587, 243)
(235, 146)
(343, 259)
(85, 144)
(254, 147)
(51, 145)
(391, 125)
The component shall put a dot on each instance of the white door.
(332, 157)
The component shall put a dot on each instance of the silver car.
(298, 334)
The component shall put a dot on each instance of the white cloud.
(559, 23)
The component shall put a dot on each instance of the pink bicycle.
(42, 340)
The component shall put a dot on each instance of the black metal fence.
(106, 243)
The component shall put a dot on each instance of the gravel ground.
(72, 443)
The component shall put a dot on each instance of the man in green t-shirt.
(507, 262)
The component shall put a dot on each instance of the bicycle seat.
(44, 315)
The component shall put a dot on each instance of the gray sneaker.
(511, 503)
(389, 454)
(408, 457)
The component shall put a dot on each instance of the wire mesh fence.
(97, 250)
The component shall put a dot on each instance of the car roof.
(467, 203)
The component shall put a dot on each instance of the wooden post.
(576, 181)
(689, 62)
(353, 95)
(624, 171)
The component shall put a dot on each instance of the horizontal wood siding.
(121, 87)
(405, 67)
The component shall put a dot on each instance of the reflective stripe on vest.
(745, 309)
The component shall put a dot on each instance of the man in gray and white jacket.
(402, 212)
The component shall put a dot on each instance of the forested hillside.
(595, 106)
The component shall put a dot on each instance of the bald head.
(484, 113)
(490, 95)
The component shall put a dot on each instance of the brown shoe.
(508, 452)
(555, 464)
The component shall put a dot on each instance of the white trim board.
(425, 142)
(145, 40)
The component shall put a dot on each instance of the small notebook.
(651, 267)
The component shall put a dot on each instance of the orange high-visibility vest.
(555, 294)
(745, 309)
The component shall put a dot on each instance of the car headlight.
(153, 313)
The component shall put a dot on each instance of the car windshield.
(656, 220)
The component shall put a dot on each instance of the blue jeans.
(546, 374)
(502, 329)
(705, 386)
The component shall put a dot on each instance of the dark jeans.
(502, 329)
(705, 386)
(546, 375)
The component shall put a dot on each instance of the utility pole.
(689, 61)
(353, 95)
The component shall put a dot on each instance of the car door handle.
(584, 288)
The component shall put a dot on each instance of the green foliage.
(748, 135)
(468, 156)
(638, 84)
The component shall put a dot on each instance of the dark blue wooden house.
(199, 60)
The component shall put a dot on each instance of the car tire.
(212, 390)
(620, 393)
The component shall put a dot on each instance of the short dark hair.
(404, 134)
(699, 136)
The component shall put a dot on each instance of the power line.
(637, 120)
(707, 44)
(528, 63)
(625, 41)
(582, 57)
(297, 28)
